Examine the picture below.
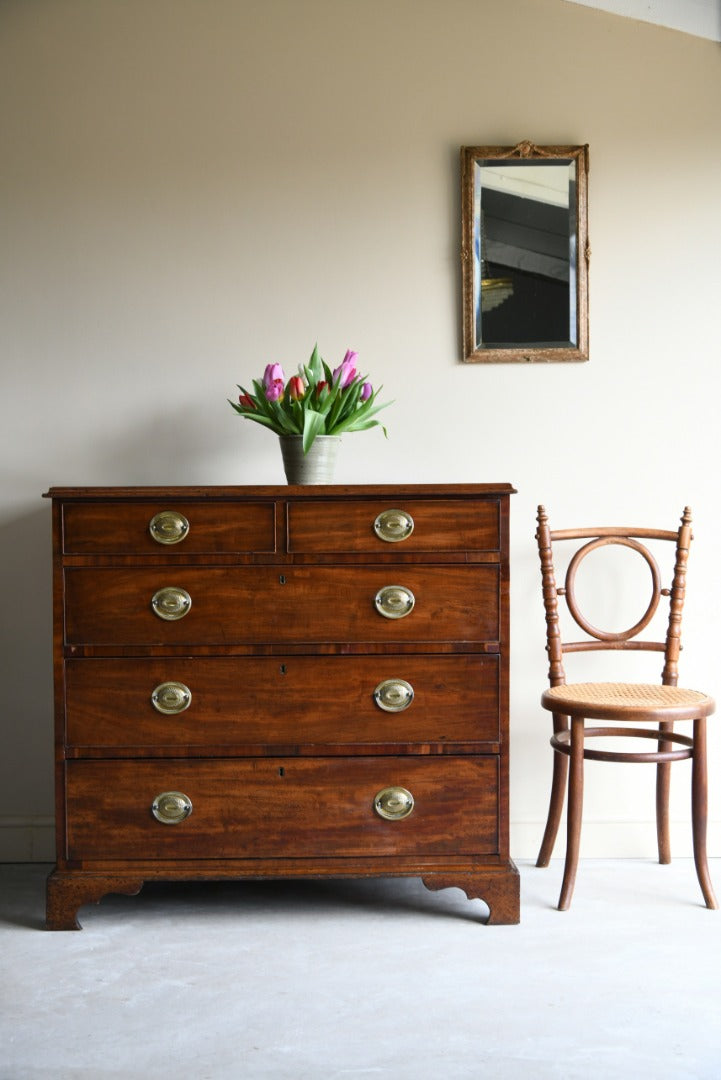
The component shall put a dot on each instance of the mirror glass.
(525, 253)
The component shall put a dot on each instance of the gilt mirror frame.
(571, 269)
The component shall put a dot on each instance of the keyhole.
(281, 579)
(283, 669)
(281, 771)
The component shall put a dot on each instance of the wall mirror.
(524, 253)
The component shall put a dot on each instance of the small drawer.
(138, 704)
(297, 604)
(171, 528)
(400, 526)
(282, 808)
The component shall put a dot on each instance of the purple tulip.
(366, 391)
(273, 373)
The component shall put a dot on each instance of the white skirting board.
(613, 839)
(27, 839)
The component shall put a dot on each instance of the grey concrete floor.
(323, 980)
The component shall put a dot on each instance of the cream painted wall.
(192, 188)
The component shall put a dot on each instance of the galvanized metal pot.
(315, 467)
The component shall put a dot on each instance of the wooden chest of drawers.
(274, 682)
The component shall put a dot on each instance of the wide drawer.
(281, 701)
(281, 808)
(296, 604)
(124, 528)
(401, 525)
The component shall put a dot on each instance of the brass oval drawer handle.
(393, 695)
(393, 803)
(170, 698)
(393, 526)
(171, 807)
(394, 602)
(169, 527)
(171, 603)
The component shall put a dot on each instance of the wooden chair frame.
(572, 705)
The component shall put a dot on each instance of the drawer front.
(437, 526)
(124, 528)
(298, 604)
(282, 808)
(281, 701)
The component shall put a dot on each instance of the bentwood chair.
(618, 704)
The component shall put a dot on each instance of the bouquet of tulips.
(316, 401)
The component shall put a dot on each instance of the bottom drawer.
(281, 808)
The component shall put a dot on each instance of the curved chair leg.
(558, 795)
(575, 813)
(663, 788)
(699, 810)
(555, 809)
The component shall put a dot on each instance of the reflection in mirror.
(525, 253)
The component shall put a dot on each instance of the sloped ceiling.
(702, 18)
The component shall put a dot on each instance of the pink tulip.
(296, 387)
(346, 372)
(273, 373)
(366, 391)
(274, 391)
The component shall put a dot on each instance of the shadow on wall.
(26, 719)
(184, 443)
(176, 446)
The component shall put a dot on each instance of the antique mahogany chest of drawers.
(260, 682)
